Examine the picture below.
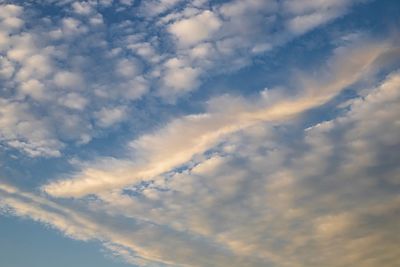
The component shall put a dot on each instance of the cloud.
(109, 116)
(83, 8)
(142, 241)
(240, 8)
(195, 29)
(229, 35)
(306, 15)
(156, 7)
(73, 101)
(47, 60)
(9, 17)
(304, 23)
(127, 68)
(72, 27)
(166, 149)
(260, 199)
(44, 66)
(6, 68)
(23, 130)
(306, 174)
(179, 78)
(67, 79)
(33, 88)
(303, 197)
(307, 6)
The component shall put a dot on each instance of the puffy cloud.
(6, 68)
(261, 199)
(67, 79)
(156, 7)
(165, 150)
(305, 197)
(181, 79)
(46, 55)
(127, 68)
(109, 116)
(10, 10)
(33, 88)
(26, 132)
(9, 18)
(243, 183)
(195, 29)
(71, 27)
(37, 66)
(73, 101)
(83, 8)
(24, 46)
(230, 34)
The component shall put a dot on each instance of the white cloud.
(83, 8)
(201, 51)
(167, 149)
(266, 202)
(4, 40)
(24, 131)
(310, 6)
(24, 46)
(6, 68)
(195, 29)
(96, 20)
(67, 79)
(242, 184)
(239, 8)
(181, 79)
(135, 88)
(126, 2)
(127, 68)
(71, 54)
(37, 66)
(80, 225)
(71, 27)
(10, 10)
(156, 7)
(33, 88)
(105, 3)
(305, 23)
(307, 15)
(107, 117)
(9, 18)
(73, 101)
(13, 22)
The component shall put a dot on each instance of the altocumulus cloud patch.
(121, 124)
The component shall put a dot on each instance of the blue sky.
(171, 133)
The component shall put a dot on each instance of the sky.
(169, 133)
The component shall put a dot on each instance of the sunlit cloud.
(204, 133)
